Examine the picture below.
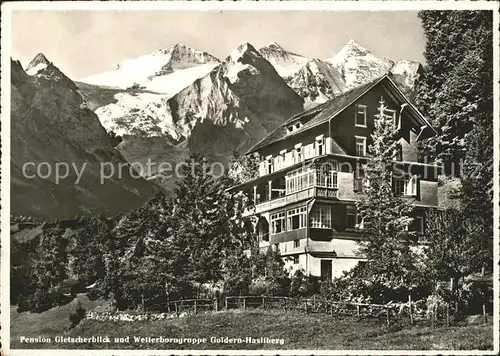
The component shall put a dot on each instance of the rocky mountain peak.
(38, 63)
(350, 49)
(243, 49)
(183, 54)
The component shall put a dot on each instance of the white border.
(7, 8)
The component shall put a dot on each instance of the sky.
(88, 42)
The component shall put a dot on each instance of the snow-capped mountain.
(231, 107)
(37, 64)
(358, 65)
(165, 71)
(286, 63)
(320, 80)
(317, 82)
(51, 124)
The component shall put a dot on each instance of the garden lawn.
(299, 331)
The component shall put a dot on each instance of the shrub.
(302, 285)
(77, 315)
(42, 299)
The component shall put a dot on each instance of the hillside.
(51, 124)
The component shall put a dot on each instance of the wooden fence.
(193, 306)
(310, 305)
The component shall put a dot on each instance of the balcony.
(311, 192)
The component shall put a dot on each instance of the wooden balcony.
(311, 192)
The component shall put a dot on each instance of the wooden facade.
(304, 198)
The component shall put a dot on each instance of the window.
(278, 223)
(353, 218)
(297, 218)
(360, 115)
(321, 217)
(296, 243)
(360, 146)
(326, 175)
(418, 224)
(320, 145)
(294, 127)
(296, 259)
(405, 186)
(392, 113)
(299, 179)
(398, 155)
(359, 175)
(399, 186)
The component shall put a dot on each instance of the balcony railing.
(311, 192)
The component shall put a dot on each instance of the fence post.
(357, 312)
(225, 303)
(244, 303)
(484, 313)
(314, 303)
(216, 305)
(305, 305)
(331, 308)
(284, 299)
(447, 315)
(176, 310)
(410, 309)
(388, 317)
(263, 302)
(195, 306)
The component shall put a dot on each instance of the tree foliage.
(456, 94)
(456, 90)
(385, 216)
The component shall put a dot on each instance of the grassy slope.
(54, 321)
(299, 331)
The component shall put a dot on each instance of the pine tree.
(454, 247)
(206, 224)
(457, 85)
(385, 216)
(87, 262)
(50, 265)
(457, 95)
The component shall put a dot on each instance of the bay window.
(321, 217)
(297, 218)
(326, 175)
(278, 223)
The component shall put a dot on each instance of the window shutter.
(414, 185)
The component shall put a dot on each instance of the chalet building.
(303, 200)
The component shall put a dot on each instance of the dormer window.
(360, 120)
(294, 127)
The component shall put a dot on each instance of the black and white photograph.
(249, 178)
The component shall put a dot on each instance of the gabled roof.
(328, 110)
